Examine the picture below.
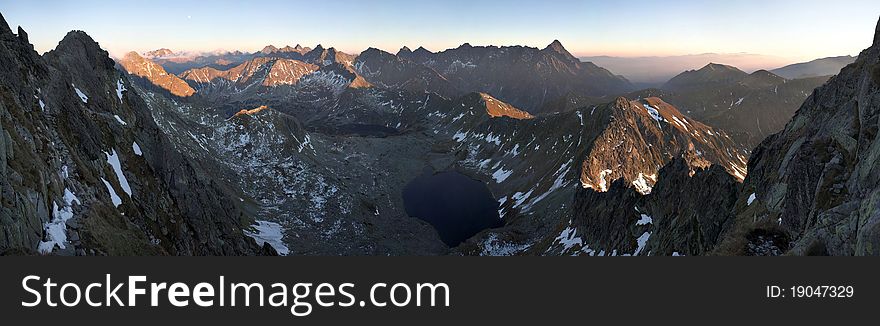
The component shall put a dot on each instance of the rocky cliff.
(85, 170)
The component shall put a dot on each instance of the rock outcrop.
(84, 170)
(813, 187)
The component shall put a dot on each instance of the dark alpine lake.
(456, 205)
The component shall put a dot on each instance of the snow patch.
(493, 246)
(645, 220)
(500, 175)
(653, 112)
(118, 119)
(82, 96)
(56, 229)
(113, 160)
(113, 196)
(680, 123)
(568, 238)
(641, 185)
(642, 241)
(603, 185)
(459, 136)
(271, 233)
(137, 149)
(751, 199)
(119, 89)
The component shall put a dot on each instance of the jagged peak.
(404, 50)
(877, 33)
(298, 47)
(557, 47)
(4, 27)
(371, 51)
(22, 35)
(79, 43)
(422, 49)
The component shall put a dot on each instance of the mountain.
(264, 71)
(146, 69)
(272, 50)
(86, 171)
(310, 152)
(268, 74)
(177, 63)
(653, 71)
(712, 74)
(387, 70)
(816, 68)
(160, 53)
(811, 190)
(523, 76)
(749, 106)
(590, 148)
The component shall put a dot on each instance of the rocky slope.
(686, 214)
(141, 67)
(86, 171)
(749, 106)
(535, 170)
(813, 188)
(389, 71)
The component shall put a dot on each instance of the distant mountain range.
(819, 67)
(646, 72)
(656, 70)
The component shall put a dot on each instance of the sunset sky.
(796, 30)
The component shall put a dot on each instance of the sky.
(797, 30)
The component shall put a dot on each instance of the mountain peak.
(877, 34)
(718, 66)
(269, 49)
(22, 35)
(404, 50)
(163, 52)
(4, 27)
(132, 55)
(422, 49)
(557, 47)
(78, 42)
(297, 47)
